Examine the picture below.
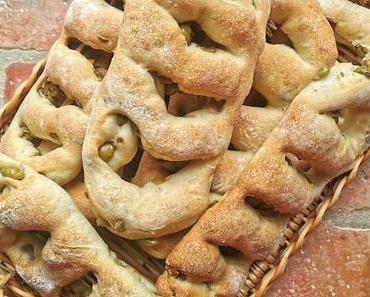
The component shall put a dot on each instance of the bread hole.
(81, 287)
(4, 189)
(255, 99)
(130, 169)
(99, 59)
(81, 176)
(349, 53)
(42, 236)
(73, 43)
(195, 34)
(260, 205)
(361, 51)
(92, 278)
(181, 104)
(29, 251)
(337, 116)
(173, 166)
(27, 135)
(227, 251)
(254, 3)
(119, 4)
(121, 120)
(275, 35)
(55, 138)
(330, 187)
(333, 25)
(270, 29)
(156, 171)
(232, 148)
(365, 3)
(165, 87)
(43, 146)
(296, 162)
(47, 146)
(53, 93)
(300, 165)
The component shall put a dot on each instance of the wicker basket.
(261, 273)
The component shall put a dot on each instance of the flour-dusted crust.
(320, 136)
(160, 248)
(33, 202)
(289, 71)
(78, 192)
(351, 24)
(48, 130)
(24, 249)
(179, 98)
(281, 73)
(314, 47)
(151, 40)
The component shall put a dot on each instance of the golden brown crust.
(78, 192)
(59, 130)
(151, 37)
(78, 85)
(351, 24)
(275, 174)
(94, 22)
(281, 73)
(33, 202)
(161, 247)
(132, 211)
(314, 48)
(278, 174)
(150, 170)
(229, 285)
(47, 131)
(75, 69)
(24, 249)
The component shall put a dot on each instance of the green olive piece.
(103, 38)
(150, 242)
(323, 72)
(12, 172)
(100, 73)
(209, 49)
(106, 151)
(100, 222)
(119, 226)
(186, 31)
(360, 50)
(5, 190)
(27, 134)
(158, 181)
(363, 70)
(116, 259)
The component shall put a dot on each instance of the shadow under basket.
(261, 273)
